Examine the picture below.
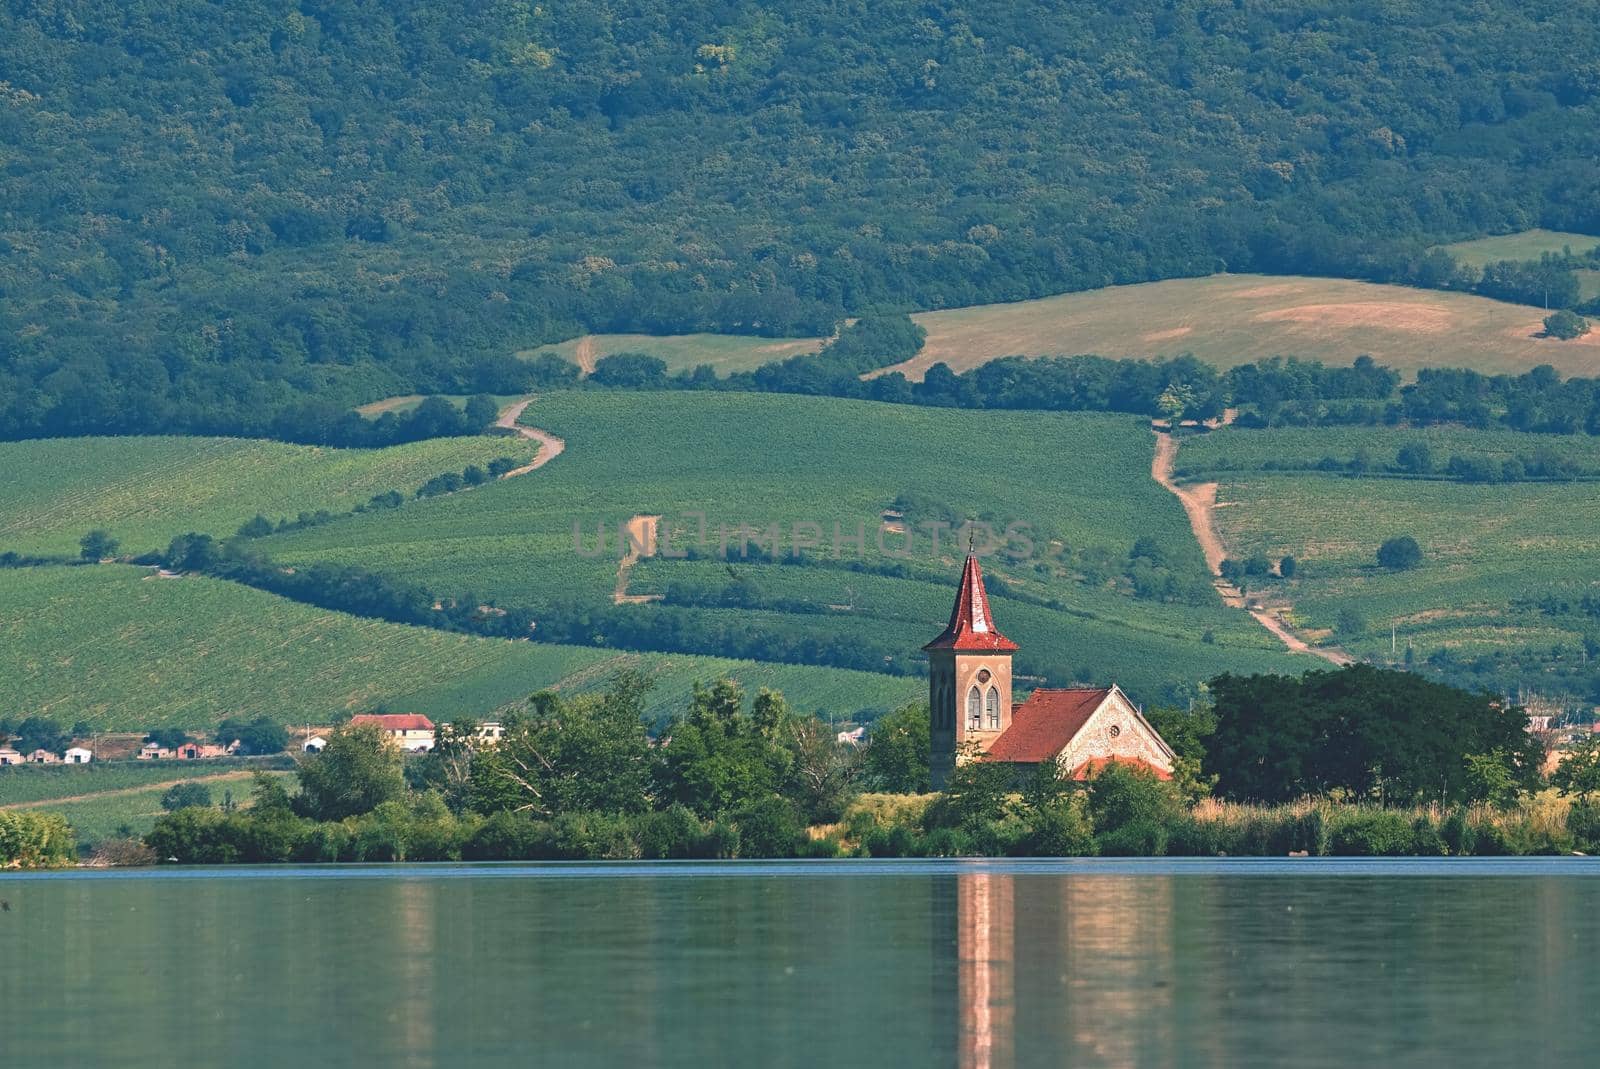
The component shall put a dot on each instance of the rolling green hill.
(1081, 482)
(124, 650)
(1505, 595)
(146, 490)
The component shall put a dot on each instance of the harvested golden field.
(1234, 319)
(1224, 319)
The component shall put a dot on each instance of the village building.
(43, 757)
(199, 751)
(314, 744)
(412, 732)
(79, 755)
(153, 751)
(8, 756)
(1079, 729)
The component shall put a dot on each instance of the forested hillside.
(211, 211)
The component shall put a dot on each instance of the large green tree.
(357, 771)
(1386, 736)
(588, 753)
(897, 751)
(718, 756)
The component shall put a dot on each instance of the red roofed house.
(412, 732)
(1080, 729)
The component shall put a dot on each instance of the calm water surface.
(1222, 964)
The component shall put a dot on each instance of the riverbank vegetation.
(31, 840)
(583, 778)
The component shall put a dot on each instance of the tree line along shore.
(1357, 761)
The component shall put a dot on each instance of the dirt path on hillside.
(550, 446)
(585, 354)
(123, 791)
(1200, 504)
(641, 543)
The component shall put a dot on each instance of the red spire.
(971, 627)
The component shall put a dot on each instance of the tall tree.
(97, 545)
(356, 772)
(589, 753)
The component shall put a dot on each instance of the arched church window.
(993, 703)
(974, 709)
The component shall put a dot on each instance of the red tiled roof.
(1042, 726)
(971, 627)
(395, 721)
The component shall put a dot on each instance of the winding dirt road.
(550, 446)
(1200, 504)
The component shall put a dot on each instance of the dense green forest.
(210, 213)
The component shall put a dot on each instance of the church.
(1080, 729)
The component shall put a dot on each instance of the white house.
(8, 756)
(314, 744)
(78, 755)
(412, 732)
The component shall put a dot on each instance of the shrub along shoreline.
(1119, 814)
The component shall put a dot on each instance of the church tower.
(969, 679)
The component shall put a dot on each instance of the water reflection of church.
(1050, 971)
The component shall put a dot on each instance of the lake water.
(1087, 963)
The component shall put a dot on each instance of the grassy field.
(32, 784)
(113, 646)
(834, 693)
(1530, 245)
(1491, 551)
(1525, 245)
(1234, 319)
(146, 490)
(1206, 455)
(1081, 481)
(1225, 319)
(725, 352)
(107, 814)
(408, 402)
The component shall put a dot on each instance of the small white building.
(314, 744)
(8, 756)
(153, 751)
(79, 755)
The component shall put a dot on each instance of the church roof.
(971, 628)
(1046, 723)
